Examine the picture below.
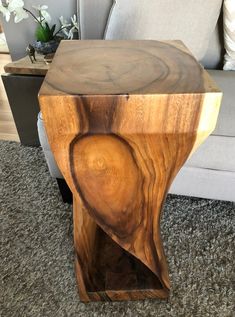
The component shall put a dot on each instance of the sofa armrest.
(52, 166)
(226, 82)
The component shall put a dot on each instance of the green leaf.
(53, 30)
(47, 27)
(45, 33)
(41, 34)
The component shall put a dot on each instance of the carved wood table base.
(122, 117)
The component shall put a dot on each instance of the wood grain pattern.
(126, 67)
(120, 129)
(24, 66)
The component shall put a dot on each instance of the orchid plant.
(44, 32)
(69, 29)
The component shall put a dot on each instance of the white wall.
(21, 34)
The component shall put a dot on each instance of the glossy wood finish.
(122, 117)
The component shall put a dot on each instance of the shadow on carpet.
(36, 251)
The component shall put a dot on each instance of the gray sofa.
(210, 172)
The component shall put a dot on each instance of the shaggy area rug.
(36, 251)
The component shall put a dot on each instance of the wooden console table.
(22, 82)
(122, 117)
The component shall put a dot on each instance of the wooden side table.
(122, 117)
(22, 82)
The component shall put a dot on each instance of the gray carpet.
(36, 252)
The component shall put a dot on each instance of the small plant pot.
(45, 48)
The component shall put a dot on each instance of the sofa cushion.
(217, 153)
(226, 120)
(205, 183)
(93, 16)
(214, 57)
(191, 21)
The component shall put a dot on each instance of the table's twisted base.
(121, 183)
(119, 166)
(104, 270)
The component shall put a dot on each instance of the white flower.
(20, 14)
(74, 28)
(68, 29)
(15, 7)
(64, 23)
(40, 7)
(15, 4)
(43, 11)
(6, 13)
(74, 21)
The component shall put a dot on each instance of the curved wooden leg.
(121, 184)
(104, 270)
(119, 172)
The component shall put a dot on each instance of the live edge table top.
(125, 67)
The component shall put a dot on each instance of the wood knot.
(109, 180)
